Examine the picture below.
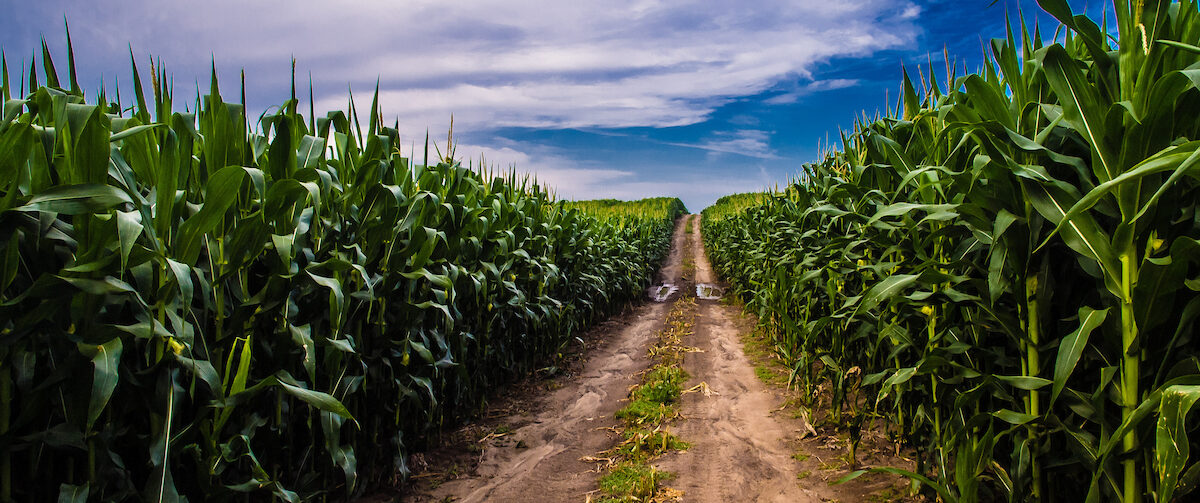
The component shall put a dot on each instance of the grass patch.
(641, 445)
(769, 376)
(642, 412)
(631, 482)
(755, 345)
(801, 456)
(883, 496)
(651, 403)
(804, 474)
(663, 384)
(833, 464)
(689, 268)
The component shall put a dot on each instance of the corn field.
(200, 305)
(1010, 258)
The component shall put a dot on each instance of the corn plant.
(1007, 254)
(206, 305)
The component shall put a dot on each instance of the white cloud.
(521, 62)
(810, 88)
(574, 179)
(746, 142)
(569, 179)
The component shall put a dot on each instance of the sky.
(616, 99)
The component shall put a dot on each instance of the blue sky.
(620, 98)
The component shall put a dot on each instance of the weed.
(640, 445)
(641, 412)
(769, 376)
(631, 481)
(833, 464)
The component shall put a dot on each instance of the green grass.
(663, 384)
(833, 464)
(645, 412)
(770, 375)
(650, 402)
(628, 482)
(640, 445)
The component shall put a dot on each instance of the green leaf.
(88, 150)
(182, 274)
(311, 153)
(222, 191)
(126, 133)
(323, 401)
(1179, 45)
(1028, 383)
(77, 199)
(107, 286)
(205, 371)
(1081, 232)
(894, 152)
(106, 359)
(940, 489)
(1081, 107)
(1014, 417)
(68, 493)
(16, 143)
(900, 377)
(1180, 160)
(1171, 437)
(884, 290)
(129, 227)
(1071, 347)
(988, 101)
(905, 208)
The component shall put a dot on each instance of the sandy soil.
(747, 442)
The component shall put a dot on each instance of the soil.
(749, 441)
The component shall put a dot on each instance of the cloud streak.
(747, 142)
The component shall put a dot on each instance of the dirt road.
(739, 450)
(742, 446)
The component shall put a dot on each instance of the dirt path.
(740, 450)
(745, 444)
